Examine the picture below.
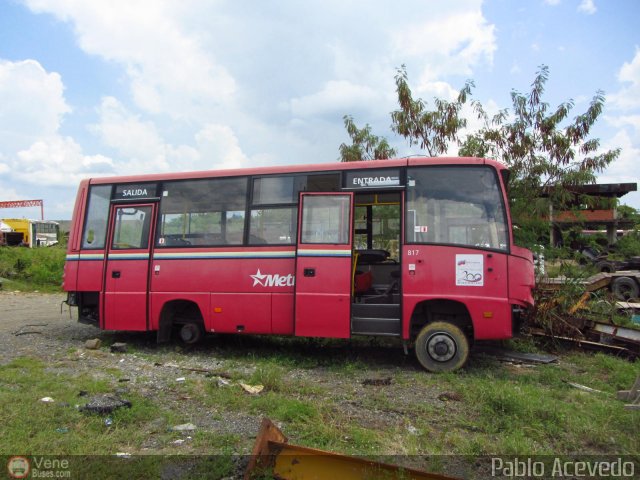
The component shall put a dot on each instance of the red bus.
(417, 248)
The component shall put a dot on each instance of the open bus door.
(323, 265)
(126, 284)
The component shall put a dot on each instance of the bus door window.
(377, 245)
(326, 220)
(131, 229)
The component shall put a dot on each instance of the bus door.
(126, 285)
(323, 265)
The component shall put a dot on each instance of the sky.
(94, 88)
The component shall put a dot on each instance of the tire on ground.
(441, 347)
(605, 266)
(191, 332)
(625, 288)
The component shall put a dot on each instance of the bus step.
(379, 310)
(375, 326)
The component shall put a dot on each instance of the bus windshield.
(453, 205)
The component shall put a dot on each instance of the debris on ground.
(93, 344)
(631, 396)
(274, 457)
(252, 389)
(582, 387)
(377, 382)
(181, 379)
(22, 330)
(520, 357)
(453, 396)
(104, 404)
(185, 427)
(221, 382)
(208, 371)
(118, 347)
(412, 430)
(47, 400)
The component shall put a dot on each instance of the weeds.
(30, 269)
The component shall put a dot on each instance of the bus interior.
(376, 283)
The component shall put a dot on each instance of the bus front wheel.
(191, 332)
(441, 347)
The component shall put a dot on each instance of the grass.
(30, 425)
(32, 269)
(317, 396)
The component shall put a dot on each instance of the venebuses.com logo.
(38, 467)
(18, 467)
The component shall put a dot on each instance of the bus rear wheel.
(441, 347)
(191, 332)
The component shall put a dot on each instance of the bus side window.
(95, 225)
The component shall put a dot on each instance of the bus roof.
(304, 168)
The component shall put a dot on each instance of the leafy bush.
(629, 245)
(33, 268)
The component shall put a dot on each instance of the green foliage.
(629, 245)
(629, 213)
(434, 129)
(33, 268)
(364, 145)
(546, 153)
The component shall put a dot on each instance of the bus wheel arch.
(442, 333)
(185, 317)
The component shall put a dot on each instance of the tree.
(433, 130)
(364, 145)
(546, 154)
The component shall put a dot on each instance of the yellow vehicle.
(37, 233)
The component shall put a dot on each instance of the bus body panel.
(522, 277)
(89, 265)
(125, 294)
(303, 289)
(248, 278)
(199, 270)
(324, 265)
(241, 313)
(158, 300)
(125, 297)
(72, 267)
(323, 296)
(282, 322)
(475, 278)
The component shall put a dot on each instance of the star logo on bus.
(258, 278)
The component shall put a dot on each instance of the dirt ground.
(35, 324)
(41, 326)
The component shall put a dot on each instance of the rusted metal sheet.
(619, 333)
(273, 456)
(591, 284)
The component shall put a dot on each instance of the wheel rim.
(441, 347)
(189, 333)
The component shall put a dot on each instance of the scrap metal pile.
(564, 312)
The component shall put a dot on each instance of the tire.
(605, 266)
(191, 333)
(625, 288)
(441, 347)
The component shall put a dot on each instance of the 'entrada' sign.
(373, 178)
